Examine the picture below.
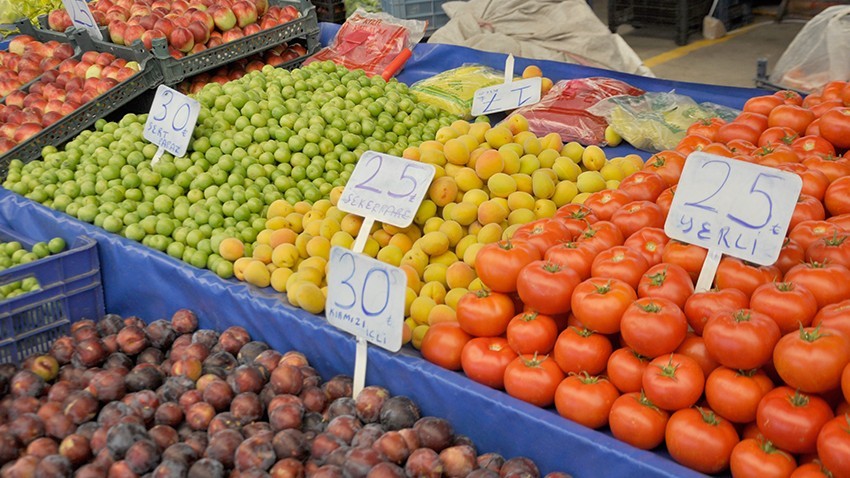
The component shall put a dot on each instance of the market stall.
(141, 281)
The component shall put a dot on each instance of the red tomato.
(811, 470)
(835, 127)
(791, 419)
(790, 305)
(806, 145)
(834, 249)
(706, 127)
(842, 221)
(836, 317)
(762, 104)
(533, 379)
(822, 108)
(547, 287)
(634, 419)
(703, 305)
(650, 242)
(699, 439)
(833, 166)
(812, 359)
(687, 256)
(735, 273)
(834, 445)
(585, 400)
(575, 217)
(484, 360)
(653, 327)
(775, 155)
(740, 146)
(625, 369)
(620, 262)
(807, 232)
(604, 203)
(601, 235)
(673, 381)
(666, 281)
(837, 197)
(791, 116)
(789, 97)
(829, 283)
(573, 255)
(599, 303)
(807, 209)
(665, 200)
(814, 128)
(752, 458)
(815, 182)
(756, 121)
(719, 149)
(694, 347)
(484, 314)
(643, 185)
(531, 332)
(443, 344)
(669, 164)
(690, 143)
(790, 255)
(735, 394)
(777, 135)
(741, 339)
(543, 234)
(636, 215)
(832, 90)
(498, 264)
(582, 350)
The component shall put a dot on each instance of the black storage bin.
(679, 17)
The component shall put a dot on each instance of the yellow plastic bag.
(453, 90)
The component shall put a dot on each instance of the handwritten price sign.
(81, 16)
(738, 208)
(171, 121)
(507, 96)
(386, 188)
(366, 298)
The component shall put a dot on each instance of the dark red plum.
(519, 467)
(399, 412)
(184, 321)
(54, 466)
(207, 468)
(424, 463)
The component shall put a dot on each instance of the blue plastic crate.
(428, 10)
(70, 291)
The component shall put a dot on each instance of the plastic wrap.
(454, 89)
(656, 121)
(564, 109)
(371, 41)
(818, 53)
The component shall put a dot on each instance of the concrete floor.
(728, 61)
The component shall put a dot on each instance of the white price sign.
(732, 207)
(171, 121)
(386, 188)
(366, 298)
(81, 17)
(507, 96)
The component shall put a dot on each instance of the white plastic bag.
(818, 53)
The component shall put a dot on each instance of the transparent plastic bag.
(453, 90)
(371, 41)
(564, 109)
(818, 54)
(656, 121)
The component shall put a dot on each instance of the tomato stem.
(708, 417)
(482, 293)
(506, 245)
(748, 373)
(552, 267)
(669, 370)
(585, 332)
(784, 286)
(651, 307)
(741, 315)
(529, 317)
(604, 289)
(645, 401)
(835, 240)
(535, 362)
(810, 336)
(657, 280)
(798, 399)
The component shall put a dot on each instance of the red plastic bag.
(564, 109)
(371, 41)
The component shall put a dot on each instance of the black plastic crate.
(331, 11)
(680, 18)
(734, 13)
(71, 125)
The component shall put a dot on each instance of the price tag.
(366, 298)
(171, 121)
(732, 207)
(386, 188)
(81, 17)
(507, 96)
